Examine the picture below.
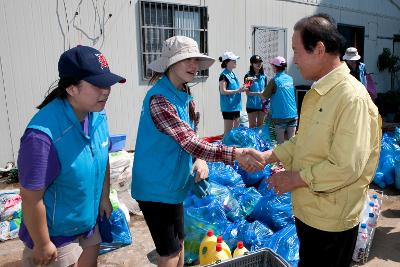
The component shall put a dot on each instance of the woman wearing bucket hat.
(255, 80)
(230, 92)
(166, 145)
(63, 164)
(283, 102)
(357, 68)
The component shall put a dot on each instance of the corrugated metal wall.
(34, 33)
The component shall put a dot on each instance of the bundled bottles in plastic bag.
(361, 244)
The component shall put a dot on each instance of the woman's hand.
(250, 159)
(44, 254)
(105, 207)
(200, 166)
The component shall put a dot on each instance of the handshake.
(253, 160)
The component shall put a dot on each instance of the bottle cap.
(374, 196)
(210, 233)
(370, 215)
(219, 239)
(218, 247)
(363, 225)
(371, 204)
(240, 245)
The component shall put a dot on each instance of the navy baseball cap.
(255, 59)
(88, 64)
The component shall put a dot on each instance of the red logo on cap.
(102, 60)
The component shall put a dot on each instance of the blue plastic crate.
(117, 142)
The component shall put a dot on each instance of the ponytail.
(156, 76)
(57, 91)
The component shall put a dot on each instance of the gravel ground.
(385, 250)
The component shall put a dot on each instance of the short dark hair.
(320, 28)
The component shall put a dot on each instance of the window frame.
(161, 31)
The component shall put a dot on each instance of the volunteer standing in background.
(254, 104)
(333, 157)
(283, 101)
(230, 92)
(357, 68)
(63, 165)
(166, 145)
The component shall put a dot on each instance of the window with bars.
(159, 21)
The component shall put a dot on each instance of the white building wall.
(34, 33)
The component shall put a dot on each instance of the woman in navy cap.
(230, 92)
(255, 80)
(63, 164)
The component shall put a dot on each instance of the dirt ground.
(385, 249)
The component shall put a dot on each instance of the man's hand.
(285, 181)
(201, 167)
(270, 157)
(250, 159)
(44, 254)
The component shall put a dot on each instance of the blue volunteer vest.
(255, 102)
(283, 101)
(72, 200)
(230, 103)
(161, 168)
(362, 71)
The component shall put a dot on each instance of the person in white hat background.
(169, 157)
(357, 68)
(230, 92)
(281, 90)
(256, 79)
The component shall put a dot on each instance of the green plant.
(386, 60)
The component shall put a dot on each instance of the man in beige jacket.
(332, 159)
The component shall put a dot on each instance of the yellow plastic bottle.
(224, 246)
(240, 250)
(220, 254)
(207, 248)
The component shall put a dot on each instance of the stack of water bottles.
(369, 218)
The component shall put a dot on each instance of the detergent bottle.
(239, 250)
(220, 253)
(224, 246)
(207, 248)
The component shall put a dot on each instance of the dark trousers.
(328, 249)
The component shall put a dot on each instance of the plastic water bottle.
(371, 223)
(239, 250)
(361, 244)
(220, 254)
(224, 246)
(377, 204)
(207, 248)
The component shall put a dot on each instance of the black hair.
(320, 28)
(252, 71)
(192, 112)
(281, 67)
(224, 62)
(60, 90)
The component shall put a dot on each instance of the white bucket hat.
(351, 54)
(230, 56)
(178, 48)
